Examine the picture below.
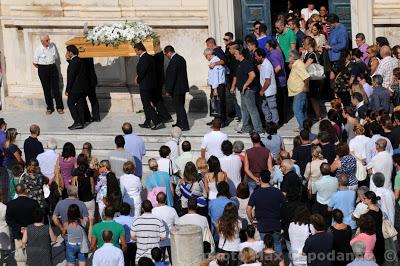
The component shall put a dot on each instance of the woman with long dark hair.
(213, 177)
(66, 163)
(109, 194)
(269, 256)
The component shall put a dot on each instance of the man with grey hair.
(290, 178)
(48, 159)
(382, 162)
(380, 97)
(173, 143)
(44, 59)
(32, 146)
(361, 207)
(359, 252)
(386, 66)
(387, 201)
(216, 80)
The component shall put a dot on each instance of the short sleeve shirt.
(297, 76)
(242, 74)
(62, 208)
(267, 72)
(397, 182)
(358, 69)
(116, 229)
(276, 58)
(285, 40)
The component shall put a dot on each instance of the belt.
(74, 244)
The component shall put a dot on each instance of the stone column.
(361, 20)
(221, 19)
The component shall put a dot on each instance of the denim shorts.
(73, 252)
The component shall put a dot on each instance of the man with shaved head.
(44, 59)
(382, 162)
(386, 66)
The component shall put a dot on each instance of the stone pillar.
(221, 19)
(361, 20)
(187, 245)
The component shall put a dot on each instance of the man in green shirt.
(286, 38)
(396, 162)
(117, 230)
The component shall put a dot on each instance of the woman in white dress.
(131, 187)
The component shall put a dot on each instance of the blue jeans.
(270, 110)
(300, 108)
(277, 236)
(252, 186)
(73, 252)
(250, 111)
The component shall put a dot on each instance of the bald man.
(381, 162)
(386, 66)
(44, 60)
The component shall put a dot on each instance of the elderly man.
(386, 66)
(276, 173)
(216, 80)
(380, 97)
(361, 207)
(173, 143)
(48, 159)
(375, 131)
(387, 201)
(44, 60)
(359, 253)
(290, 178)
(381, 162)
(134, 145)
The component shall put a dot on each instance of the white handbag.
(316, 70)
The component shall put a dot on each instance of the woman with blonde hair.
(312, 172)
(249, 257)
(92, 160)
(373, 62)
(131, 188)
(159, 180)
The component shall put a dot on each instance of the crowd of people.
(332, 200)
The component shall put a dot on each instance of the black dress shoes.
(174, 125)
(144, 125)
(185, 129)
(75, 126)
(96, 119)
(168, 120)
(158, 126)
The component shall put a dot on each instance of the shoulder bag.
(316, 70)
(173, 177)
(85, 241)
(388, 229)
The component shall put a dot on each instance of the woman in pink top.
(366, 235)
(67, 162)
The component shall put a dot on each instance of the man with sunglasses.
(44, 60)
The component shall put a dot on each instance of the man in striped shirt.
(386, 66)
(147, 231)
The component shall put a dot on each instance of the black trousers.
(48, 75)
(94, 103)
(282, 100)
(163, 251)
(76, 104)
(149, 111)
(161, 110)
(221, 90)
(181, 116)
(130, 255)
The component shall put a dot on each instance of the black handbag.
(215, 107)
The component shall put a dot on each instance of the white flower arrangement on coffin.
(117, 33)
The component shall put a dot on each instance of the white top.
(169, 217)
(232, 165)
(212, 143)
(387, 202)
(216, 75)
(45, 55)
(360, 209)
(164, 164)
(5, 243)
(173, 144)
(382, 162)
(298, 235)
(242, 208)
(359, 146)
(230, 245)
(194, 219)
(131, 186)
(306, 13)
(267, 72)
(257, 246)
(185, 157)
(108, 255)
(47, 163)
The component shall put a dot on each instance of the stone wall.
(181, 23)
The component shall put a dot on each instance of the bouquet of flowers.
(115, 34)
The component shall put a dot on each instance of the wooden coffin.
(87, 49)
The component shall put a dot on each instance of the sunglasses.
(226, 40)
(257, 28)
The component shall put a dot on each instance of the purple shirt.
(66, 167)
(363, 48)
(276, 58)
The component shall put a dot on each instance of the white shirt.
(216, 75)
(232, 165)
(169, 217)
(164, 165)
(307, 13)
(359, 146)
(45, 55)
(360, 209)
(298, 235)
(382, 162)
(173, 144)
(131, 186)
(385, 69)
(185, 157)
(372, 148)
(47, 163)
(108, 255)
(386, 202)
(212, 143)
(257, 246)
(267, 72)
(194, 219)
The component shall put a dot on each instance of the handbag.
(215, 107)
(316, 70)
(388, 229)
(361, 171)
(85, 241)
(20, 251)
(152, 194)
(173, 177)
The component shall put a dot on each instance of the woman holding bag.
(158, 181)
(313, 172)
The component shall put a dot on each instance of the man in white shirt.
(375, 132)
(192, 217)
(212, 141)
(48, 159)
(382, 162)
(165, 164)
(169, 217)
(231, 165)
(386, 66)
(44, 60)
(108, 255)
(268, 87)
(387, 201)
(173, 143)
(186, 156)
(306, 13)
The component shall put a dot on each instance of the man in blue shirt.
(338, 39)
(135, 146)
(264, 38)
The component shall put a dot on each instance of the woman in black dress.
(341, 239)
(371, 200)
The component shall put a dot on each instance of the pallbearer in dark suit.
(146, 78)
(91, 92)
(77, 86)
(157, 98)
(177, 85)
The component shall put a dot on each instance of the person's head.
(378, 179)
(370, 198)
(156, 254)
(119, 141)
(263, 29)
(265, 177)
(366, 224)
(349, 111)
(153, 165)
(82, 163)
(107, 236)
(380, 145)
(325, 169)
(169, 51)
(164, 151)
(176, 133)
(248, 255)
(304, 136)
(337, 216)
(271, 45)
(333, 20)
(127, 128)
(323, 11)
(357, 54)
(37, 215)
(238, 146)
(280, 26)
(227, 147)
(302, 215)
(396, 71)
(342, 149)
(381, 41)
(217, 123)
(286, 166)
(239, 54)
(268, 241)
(250, 231)
(228, 223)
(35, 130)
(72, 51)
(161, 198)
(104, 166)
(343, 180)
(242, 191)
(228, 37)
(125, 209)
(361, 192)
(109, 212)
(316, 29)
(139, 48)
(324, 137)
(375, 128)
(32, 167)
(293, 55)
(251, 42)
(3, 124)
(356, 98)
(190, 173)
(192, 204)
(318, 222)
(296, 141)
(73, 213)
(223, 189)
(51, 144)
(68, 150)
(17, 170)
(129, 167)
(214, 165)
(255, 138)
(72, 191)
(45, 40)
(208, 54)
(202, 165)
(316, 152)
(186, 146)
(396, 160)
(145, 261)
(360, 39)
(272, 129)
(385, 51)
(211, 43)
(256, 27)
(372, 51)
(358, 248)
(377, 81)
(11, 136)
(260, 55)
(309, 43)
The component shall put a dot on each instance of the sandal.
(60, 111)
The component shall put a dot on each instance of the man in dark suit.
(157, 98)
(91, 93)
(177, 85)
(77, 86)
(358, 102)
(146, 78)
